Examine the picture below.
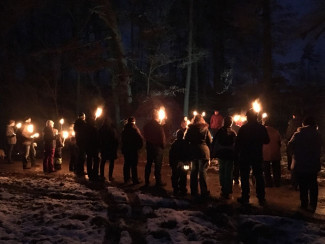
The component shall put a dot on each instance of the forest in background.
(61, 57)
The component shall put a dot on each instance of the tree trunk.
(267, 46)
(189, 67)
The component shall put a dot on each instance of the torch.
(256, 106)
(98, 112)
(18, 125)
(161, 114)
(61, 123)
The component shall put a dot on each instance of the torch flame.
(36, 135)
(264, 115)
(65, 134)
(99, 112)
(61, 121)
(236, 117)
(30, 128)
(203, 114)
(256, 106)
(194, 113)
(18, 125)
(161, 114)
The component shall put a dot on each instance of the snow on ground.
(37, 208)
(50, 210)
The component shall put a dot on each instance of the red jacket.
(271, 151)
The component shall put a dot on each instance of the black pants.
(308, 186)
(92, 165)
(111, 161)
(154, 155)
(276, 171)
(245, 168)
(130, 164)
(81, 161)
(179, 179)
(10, 150)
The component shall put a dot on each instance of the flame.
(65, 134)
(18, 125)
(61, 121)
(30, 128)
(36, 135)
(194, 113)
(264, 115)
(161, 114)
(73, 133)
(203, 114)
(99, 112)
(256, 106)
(236, 117)
(243, 119)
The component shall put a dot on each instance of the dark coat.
(306, 146)
(132, 140)
(199, 138)
(49, 137)
(92, 142)
(225, 139)
(108, 141)
(11, 135)
(80, 127)
(154, 134)
(249, 143)
(179, 152)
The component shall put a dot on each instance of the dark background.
(61, 57)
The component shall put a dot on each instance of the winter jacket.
(271, 151)
(306, 146)
(49, 137)
(216, 121)
(179, 152)
(224, 144)
(199, 138)
(11, 136)
(80, 127)
(108, 141)
(154, 134)
(132, 140)
(26, 135)
(249, 143)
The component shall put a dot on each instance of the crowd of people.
(254, 146)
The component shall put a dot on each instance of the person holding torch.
(155, 143)
(49, 138)
(27, 142)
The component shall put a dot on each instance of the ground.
(60, 208)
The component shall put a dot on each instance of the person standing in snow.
(306, 147)
(199, 138)
(132, 142)
(226, 139)
(49, 138)
(215, 122)
(108, 143)
(154, 135)
(249, 151)
(178, 156)
(272, 157)
(80, 128)
(11, 139)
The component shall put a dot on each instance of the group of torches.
(65, 134)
